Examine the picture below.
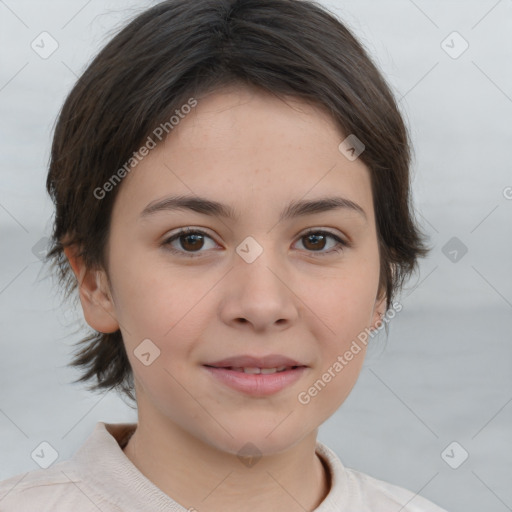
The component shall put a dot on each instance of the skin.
(256, 153)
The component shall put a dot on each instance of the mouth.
(255, 370)
(254, 380)
(266, 362)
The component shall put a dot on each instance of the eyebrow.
(215, 209)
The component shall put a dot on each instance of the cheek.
(344, 308)
(344, 304)
(150, 298)
(158, 305)
(145, 311)
(329, 387)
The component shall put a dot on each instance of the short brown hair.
(180, 49)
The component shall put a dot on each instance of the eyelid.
(169, 238)
(340, 240)
(342, 243)
(343, 238)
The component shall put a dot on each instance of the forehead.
(238, 143)
(258, 112)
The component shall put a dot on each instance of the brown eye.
(191, 242)
(316, 241)
(187, 241)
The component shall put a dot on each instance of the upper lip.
(246, 361)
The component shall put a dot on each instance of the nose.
(259, 296)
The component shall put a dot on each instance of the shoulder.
(384, 494)
(97, 477)
(59, 488)
(354, 490)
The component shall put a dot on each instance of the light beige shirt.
(101, 478)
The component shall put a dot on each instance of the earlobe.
(95, 296)
(378, 313)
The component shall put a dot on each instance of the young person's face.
(202, 300)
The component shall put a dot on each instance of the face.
(301, 284)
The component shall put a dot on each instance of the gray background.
(446, 372)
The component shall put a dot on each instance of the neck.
(199, 476)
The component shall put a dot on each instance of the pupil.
(316, 238)
(198, 238)
(192, 246)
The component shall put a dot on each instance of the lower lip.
(257, 384)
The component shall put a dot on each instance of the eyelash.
(167, 243)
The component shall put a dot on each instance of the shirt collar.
(103, 459)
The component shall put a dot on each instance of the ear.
(95, 296)
(378, 312)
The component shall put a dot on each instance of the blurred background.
(432, 409)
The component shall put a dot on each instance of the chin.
(253, 439)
